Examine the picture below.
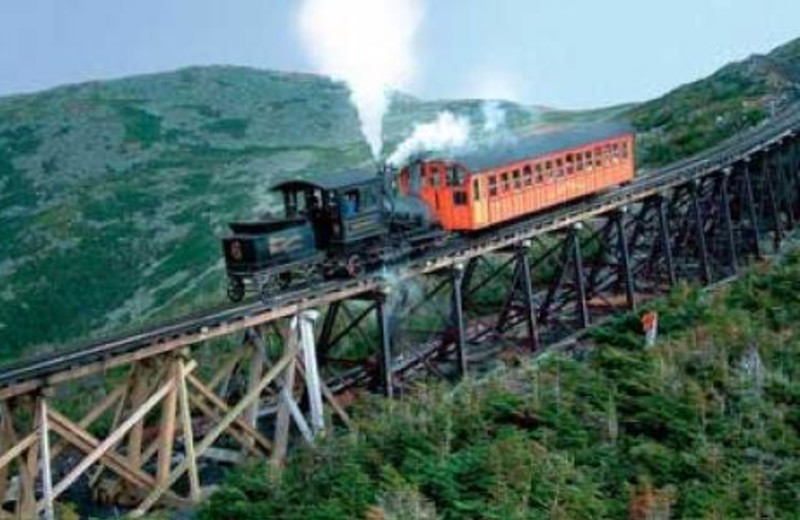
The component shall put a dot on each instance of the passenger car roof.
(513, 150)
(331, 181)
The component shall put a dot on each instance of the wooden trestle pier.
(178, 399)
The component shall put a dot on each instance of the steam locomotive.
(345, 224)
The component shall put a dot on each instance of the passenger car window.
(476, 189)
(570, 164)
(455, 176)
(493, 185)
(527, 175)
(434, 178)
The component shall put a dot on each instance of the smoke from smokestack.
(446, 132)
(369, 45)
(494, 116)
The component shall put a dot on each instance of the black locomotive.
(335, 226)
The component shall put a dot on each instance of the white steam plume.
(446, 132)
(494, 116)
(369, 45)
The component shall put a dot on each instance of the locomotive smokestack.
(388, 178)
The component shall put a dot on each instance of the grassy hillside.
(703, 113)
(705, 425)
(113, 194)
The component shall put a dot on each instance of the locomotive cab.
(344, 209)
(325, 225)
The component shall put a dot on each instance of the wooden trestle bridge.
(168, 400)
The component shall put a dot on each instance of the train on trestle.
(343, 225)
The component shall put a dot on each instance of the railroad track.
(29, 374)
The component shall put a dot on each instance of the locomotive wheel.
(269, 288)
(354, 266)
(284, 280)
(235, 289)
(274, 284)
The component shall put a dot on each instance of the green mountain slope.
(705, 425)
(113, 194)
(703, 113)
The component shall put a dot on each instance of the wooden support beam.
(624, 259)
(17, 449)
(225, 370)
(772, 198)
(138, 397)
(209, 395)
(166, 434)
(299, 420)
(47, 475)
(332, 400)
(218, 429)
(580, 287)
(117, 435)
(258, 356)
(312, 379)
(115, 462)
(457, 304)
(531, 322)
(385, 336)
(117, 418)
(94, 414)
(5, 445)
(208, 411)
(188, 433)
(162, 347)
(354, 324)
(700, 232)
(88, 444)
(666, 241)
(727, 219)
(26, 501)
(283, 420)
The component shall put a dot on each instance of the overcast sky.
(563, 53)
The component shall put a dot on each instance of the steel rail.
(43, 370)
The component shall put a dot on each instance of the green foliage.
(234, 127)
(704, 425)
(140, 125)
(701, 114)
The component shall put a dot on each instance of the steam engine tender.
(342, 225)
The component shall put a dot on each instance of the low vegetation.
(704, 425)
(131, 182)
(701, 114)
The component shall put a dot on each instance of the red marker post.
(650, 328)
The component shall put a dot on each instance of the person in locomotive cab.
(350, 205)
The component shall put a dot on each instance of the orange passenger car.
(479, 189)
